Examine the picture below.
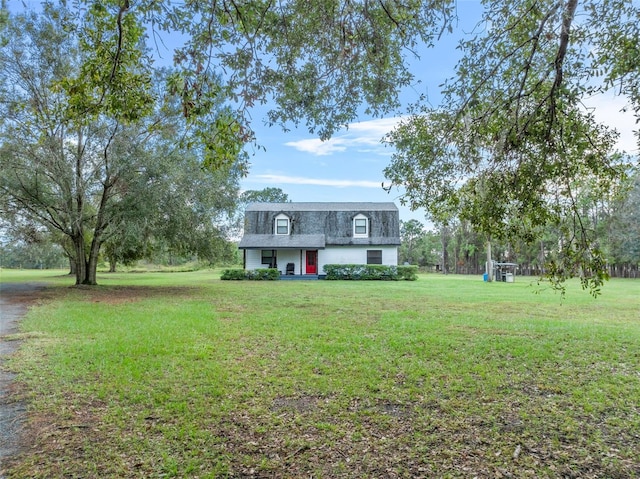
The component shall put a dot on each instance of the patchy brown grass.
(115, 295)
(328, 380)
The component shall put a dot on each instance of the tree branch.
(123, 8)
(567, 19)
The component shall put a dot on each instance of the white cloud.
(318, 147)
(364, 136)
(299, 180)
(377, 128)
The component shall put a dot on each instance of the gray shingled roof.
(372, 241)
(323, 206)
(250, 241)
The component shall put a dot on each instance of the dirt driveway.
(15, 298)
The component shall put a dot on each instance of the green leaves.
(114, 76)
(426, 165)
(513, 145)
(615, 28)
(318, 62)
(94, 146)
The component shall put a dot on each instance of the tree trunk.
(78, 232)
(445, 249)
(86, 267)
(72, 265)
(91, 270)
(94, 251)
(81, 264)
(489, 262)
(92, 263)
(112, 264)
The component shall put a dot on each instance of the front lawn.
(184, 375)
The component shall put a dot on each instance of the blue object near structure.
(485, 277)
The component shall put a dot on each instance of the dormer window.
(282, 225)
(360, 226)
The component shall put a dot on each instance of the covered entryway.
(312, 262)
(261, 251)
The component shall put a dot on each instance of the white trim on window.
(360, 226)
(282, 225)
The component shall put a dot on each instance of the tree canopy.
(266, 195)
(91, 152)
(513, 144)
(317, 63)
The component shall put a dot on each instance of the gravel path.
(14, 301)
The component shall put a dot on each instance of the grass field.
(184, 375)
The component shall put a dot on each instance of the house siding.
(356, 255)
(253, 259)
(288, 256)
(332, 255)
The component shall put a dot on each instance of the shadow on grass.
(129, 294)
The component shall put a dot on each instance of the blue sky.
(349, 166)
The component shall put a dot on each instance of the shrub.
(408, 273)
(264, 274)
(370, 272)
(233, 274)
(343, 271)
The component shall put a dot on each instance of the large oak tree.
(92, 143)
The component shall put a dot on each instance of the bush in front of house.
(263, 274)
(360, 272)
(370, 272)
(408, 272)
(233, 274)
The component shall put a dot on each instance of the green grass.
(24, 275)
(184, 375)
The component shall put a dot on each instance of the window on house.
(374, 256)
(282, 225)
(269, 257)
(361, 226)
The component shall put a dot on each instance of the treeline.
(40, 255)
(203, 240)
(46, 254)
(457, 248)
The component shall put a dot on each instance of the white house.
(300, 238)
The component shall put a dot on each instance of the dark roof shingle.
(324, 206)
(255, 241)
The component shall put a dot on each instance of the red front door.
(312, 262)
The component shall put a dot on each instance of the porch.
(301, 277)
(290, 262)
